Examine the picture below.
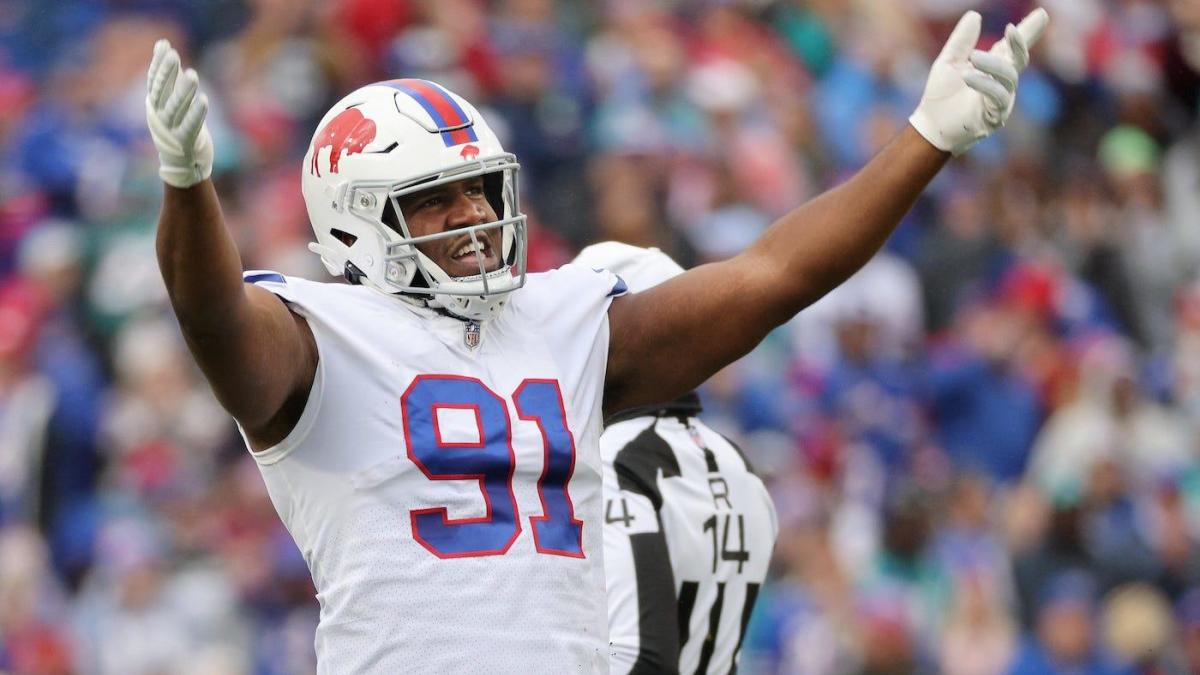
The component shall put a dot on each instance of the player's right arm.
(259, 357)
(670, 338)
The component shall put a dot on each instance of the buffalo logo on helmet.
(469, 153)
(348, 132)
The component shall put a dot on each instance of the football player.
(429, 431)
(688, 526)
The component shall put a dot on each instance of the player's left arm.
(670, 338)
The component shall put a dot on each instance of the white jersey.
(447, 497)
(688, 536)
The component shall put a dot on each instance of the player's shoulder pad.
(615, 285)
(567, 291)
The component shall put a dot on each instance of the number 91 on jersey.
(491, 461)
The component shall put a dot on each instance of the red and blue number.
(491, 461)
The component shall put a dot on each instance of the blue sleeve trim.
(255, 276)
(619, 288)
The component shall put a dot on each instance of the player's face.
(450, 207)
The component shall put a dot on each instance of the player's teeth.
(468, 248)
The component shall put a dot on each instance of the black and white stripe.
(688, 535)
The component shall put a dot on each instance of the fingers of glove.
(993, 91)
(162, 83)
(185, 90)
(160, 51)
(962, 40)
(1017, 46)
(1032, 27)
(998, 67)
(193, 121)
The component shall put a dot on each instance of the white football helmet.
(391, 139)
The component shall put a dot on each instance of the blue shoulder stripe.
(619, 288)
(255, 276)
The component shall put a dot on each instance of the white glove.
(970, 93)
(175, 115)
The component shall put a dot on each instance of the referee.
(688, 526)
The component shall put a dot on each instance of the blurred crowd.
(983, 447)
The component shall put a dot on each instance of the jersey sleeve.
(611, 283)
(287, 290)
(586, 289)
(301, 296)
(273, 282)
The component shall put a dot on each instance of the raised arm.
(259, 357)
(672, 337)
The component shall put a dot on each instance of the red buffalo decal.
(469, 153)
(349, 132)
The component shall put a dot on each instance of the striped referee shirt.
(688, 536)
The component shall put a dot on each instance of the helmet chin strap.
(426, 301)
(430, 300)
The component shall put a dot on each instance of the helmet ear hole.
(343, 236)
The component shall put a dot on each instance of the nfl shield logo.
(471, 334)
